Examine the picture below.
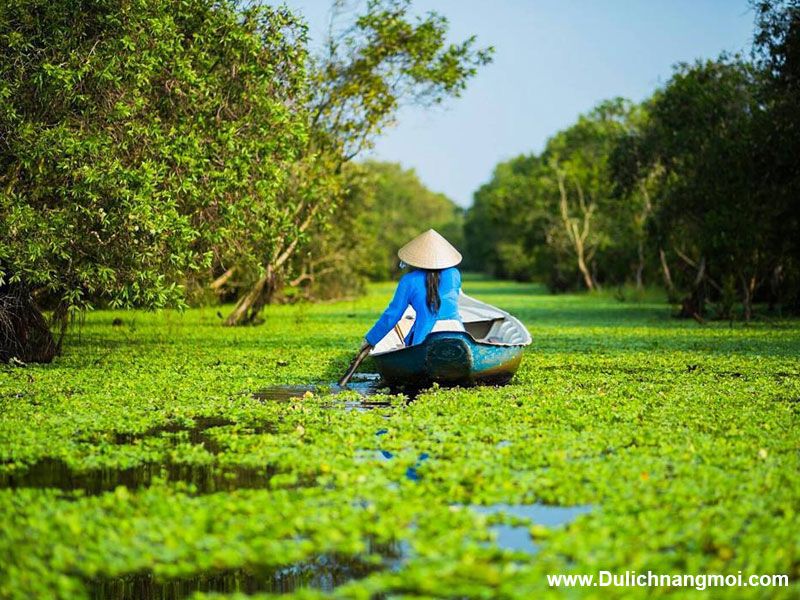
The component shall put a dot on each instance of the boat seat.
(480, 329)
(447, 325)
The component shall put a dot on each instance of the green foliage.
(777, 53)
(682, 438)
(139, 139)
(716, 208)
(384, 58)
(540, 217)
(148, 145)
(399, 208)
(697, 186)
(505, 228)
(700, 134)
(384, 206)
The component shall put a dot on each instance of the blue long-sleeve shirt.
(411, 290)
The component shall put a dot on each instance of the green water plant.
(681, 438)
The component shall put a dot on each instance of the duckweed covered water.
(127, 461)
(202, 476)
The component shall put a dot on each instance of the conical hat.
(429, 250)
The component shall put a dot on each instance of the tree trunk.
(775, 282)
(577, 235)
(587, 276)
(222, 279)
(24, 333)
(640, 266)
(665, 270)
(748, 288)
(647, 209)
(694, 305)
(249, 306)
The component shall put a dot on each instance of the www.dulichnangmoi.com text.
(650, 579)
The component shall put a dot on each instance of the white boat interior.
(485, 323)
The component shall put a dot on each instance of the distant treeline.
(384, 206)
(697, 188)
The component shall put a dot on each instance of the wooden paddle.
(362, 354)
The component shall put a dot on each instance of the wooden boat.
(487, 351)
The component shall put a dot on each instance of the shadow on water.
(324, 572)
(206, 479)
(517, 537)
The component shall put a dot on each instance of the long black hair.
(432, 290)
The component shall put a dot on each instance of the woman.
(432, 289)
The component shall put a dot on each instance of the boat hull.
(450, 358)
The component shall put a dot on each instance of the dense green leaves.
(139, 138)
(777, 52)
(700, 139)
(553, 216)
(381, 58)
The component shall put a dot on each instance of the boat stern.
(448, 359)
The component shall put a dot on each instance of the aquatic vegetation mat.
(169, 457)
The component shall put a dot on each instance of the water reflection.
(384, 456)
(205, 479)
(411, 472)
(324, 572)
(195, 432)
(516, 537)
(49, 472)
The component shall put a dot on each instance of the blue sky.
(554, 59)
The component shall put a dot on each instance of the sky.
(554, 60)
